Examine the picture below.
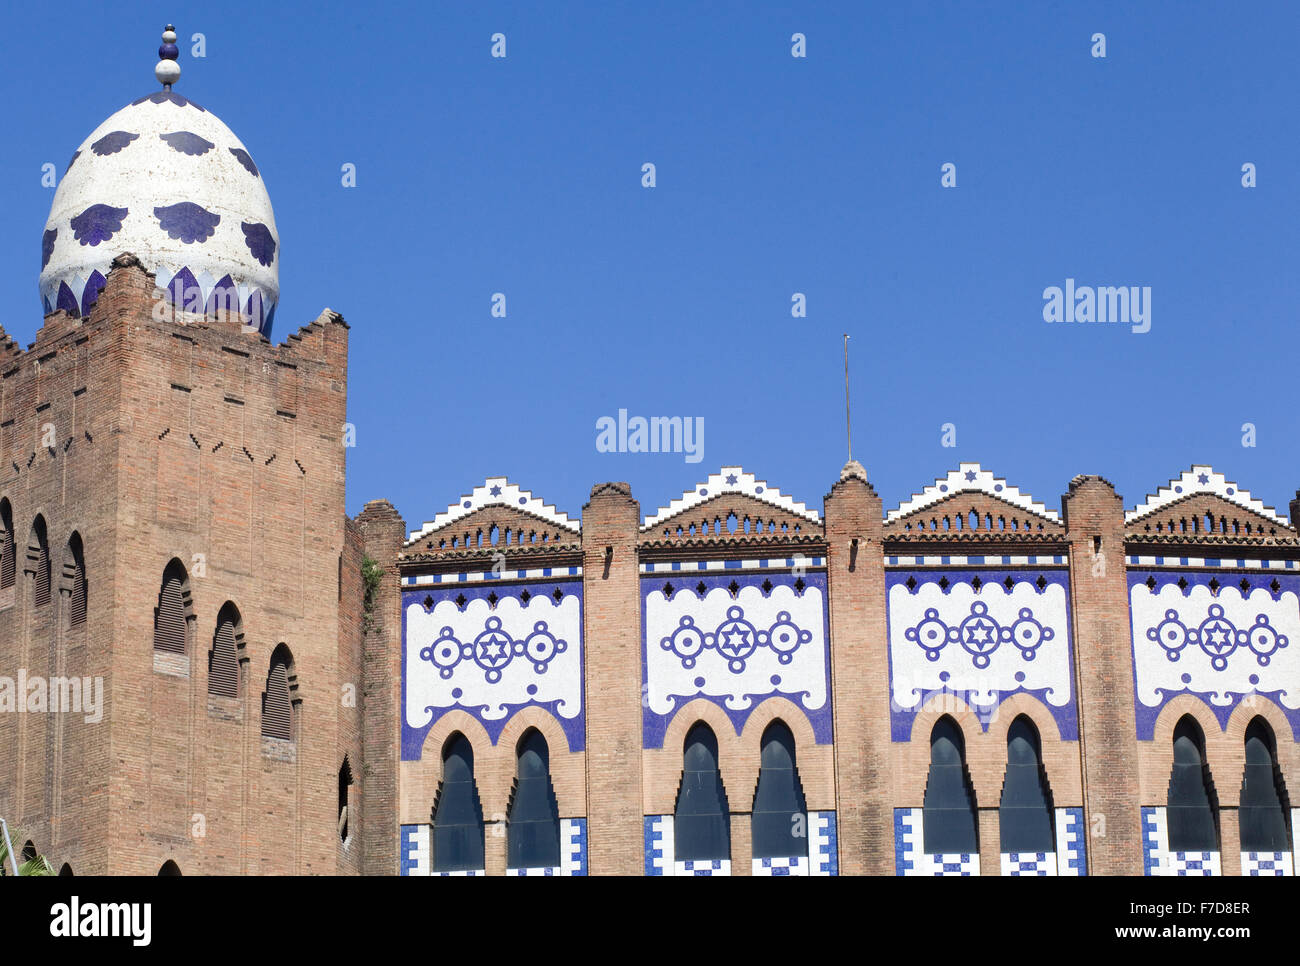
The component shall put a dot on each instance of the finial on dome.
(167, 70)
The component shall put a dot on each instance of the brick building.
(732, 683)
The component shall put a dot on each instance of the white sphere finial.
(167, 70)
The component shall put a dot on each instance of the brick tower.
(180, 586)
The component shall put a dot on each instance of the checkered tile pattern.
(1267, 863)
(1158, 860)
(703, 867)
(1029, 863)
(1071, 847)
(415, 850)
(659, 845)
(793, 866)
(823, 844)
(910, 857)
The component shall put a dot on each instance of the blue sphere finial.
(167, 70)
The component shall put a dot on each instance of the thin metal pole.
(9, 846)
(848, 425)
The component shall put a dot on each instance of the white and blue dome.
(166, 180)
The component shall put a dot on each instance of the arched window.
(277, 707)
(169, 622)
(780, 817)
(8, 553)
(65, 869)
(1192, 811)
(457, 812)
(169, 868)
(533, 829)
(948, 810)
(223, 659)
(38, 563)
(1264, 804)
(345, 782)
(75, 577)
(1025, 812)
(702, 822)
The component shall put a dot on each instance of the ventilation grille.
(8, 560)
(275, 704)
(77, 605)
(169, 625)
(42, 591)
(223, 671)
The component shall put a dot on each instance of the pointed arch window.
(223, 660)
(533, 817)
(277, 706)
(780, 812)
(169, 624)
(1192, 811)
(8, 552)
(948, 809)
(702, 818)
(75, 574)
(38, 562)
(457, 812)
(1264, 802)
(1025, 815)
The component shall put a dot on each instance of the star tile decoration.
(731, 479)
(1202, 479)
(971, 477)
(496, 491)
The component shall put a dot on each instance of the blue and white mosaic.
(983, 636)
(415, 854)
(1267, 863)
(735, 643)
(910, 857)
(491, 650)
(1204, 634)
(1158, 860)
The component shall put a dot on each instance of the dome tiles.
(168, 181)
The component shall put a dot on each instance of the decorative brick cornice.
(1202, 479)
(967, 478)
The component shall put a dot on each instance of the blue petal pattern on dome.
(47, 245)
(185, 292)
(225, 295)
(187, 221)
(187, 143)
(245, 159)
(112, 142)
(90, 295)
(259, 241)
(71, 160)
(98, 223)
(67, 301)
(158, 97)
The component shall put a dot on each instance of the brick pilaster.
(612, 649)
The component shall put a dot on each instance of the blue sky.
(775, 175)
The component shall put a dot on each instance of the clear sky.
(775, 175)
